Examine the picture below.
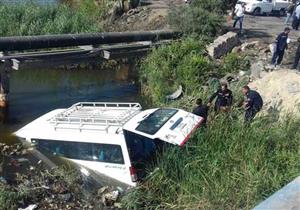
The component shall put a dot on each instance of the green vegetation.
(90, 7)
(34, 19)
(183, 63)
(9, 199)
(227, 165)
(202, 17)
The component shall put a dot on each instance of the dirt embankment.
(280, 90)
(150, 15)
(280, 86)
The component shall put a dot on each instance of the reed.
(33, 19)
(226, 166)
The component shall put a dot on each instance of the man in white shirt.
(296, 17)
(239, 14)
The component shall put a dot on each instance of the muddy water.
(36, 92)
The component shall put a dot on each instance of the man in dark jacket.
(224, 99)
(281, 45)
(201, 110)
(252, 104)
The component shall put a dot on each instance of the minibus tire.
(282, 12)
(257, 11)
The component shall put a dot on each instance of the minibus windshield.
(156, 120)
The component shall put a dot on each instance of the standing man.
(224, 99)
(239, 12)
(281, 45)
(201, 110)
(297, 56)
(289, 12)
(252, 103)
(296, 19)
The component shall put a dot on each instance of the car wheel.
(257, 11)
(282, 12)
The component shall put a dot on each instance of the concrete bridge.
(112, 45)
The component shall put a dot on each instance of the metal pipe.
(17, 43)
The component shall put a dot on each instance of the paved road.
(265, 28)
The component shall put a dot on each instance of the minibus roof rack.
(95, 115)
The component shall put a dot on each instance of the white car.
(259, 7)
(115, 140)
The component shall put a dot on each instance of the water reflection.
(36, 92)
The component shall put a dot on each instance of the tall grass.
(34, 19)
(183, 63)
(226, 166)
(202, 17)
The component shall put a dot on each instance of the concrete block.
(223, 45)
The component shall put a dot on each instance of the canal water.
(36, 92)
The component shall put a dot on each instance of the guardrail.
(287, 198)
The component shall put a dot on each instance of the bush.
(91, 9)
(33, 19)
(216, 6)
(167, 67)
(233, 63)
(184, 63)
(200, 18)
(219, 6)
(227, 166)
(10, 199)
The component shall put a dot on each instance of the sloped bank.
(280, 90)
(227, 165)
(28, 182)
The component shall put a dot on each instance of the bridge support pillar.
(4, 84)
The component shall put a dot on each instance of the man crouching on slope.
(252, 103)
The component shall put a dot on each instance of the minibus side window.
(109, 153)
(85, 151)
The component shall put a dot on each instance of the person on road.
(297, 56)
(224, 99)
(289, 13)
(239, 12)
(252, 104)
(281, 45)
(296, 20)
(201, 110)
(188, 1)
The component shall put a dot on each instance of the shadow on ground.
(256, 33)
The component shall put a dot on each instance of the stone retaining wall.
(223, 45)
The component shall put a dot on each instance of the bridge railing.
(287, 198)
